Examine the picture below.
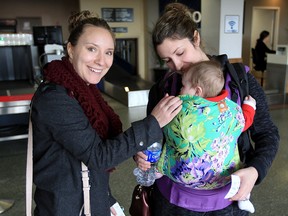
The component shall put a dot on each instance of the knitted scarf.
(101, 116)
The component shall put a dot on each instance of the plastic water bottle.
(147, 178)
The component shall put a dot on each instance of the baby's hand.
(250, 101)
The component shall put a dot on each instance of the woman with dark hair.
(261, 49)
(177, 42)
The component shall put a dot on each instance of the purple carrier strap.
(227, 81)
(194, 200)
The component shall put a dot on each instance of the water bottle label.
(153, 156)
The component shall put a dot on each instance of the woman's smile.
(95, 70)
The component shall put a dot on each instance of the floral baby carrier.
(201, 149)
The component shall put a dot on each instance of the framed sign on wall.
(231, 24)
(118, 14)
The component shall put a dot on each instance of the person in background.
(261, 49)
(176, 40)
(72, 124)
(200, 150)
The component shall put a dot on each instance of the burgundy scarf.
(101, 116)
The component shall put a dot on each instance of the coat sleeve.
(248, 112)
(264, 132)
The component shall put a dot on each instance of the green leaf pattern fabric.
(201, 143)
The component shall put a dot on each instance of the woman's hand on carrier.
(167, 108)
(248, 177)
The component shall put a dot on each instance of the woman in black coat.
(261, 49)
(72, 124)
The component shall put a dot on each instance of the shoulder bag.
(29, 178)
(141, 204)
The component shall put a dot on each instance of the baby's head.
(204, 79)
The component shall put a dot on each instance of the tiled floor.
(270, 198)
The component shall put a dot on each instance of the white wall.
(214, 39)
(231, 43)
(210, 25)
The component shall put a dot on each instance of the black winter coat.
(63, 137)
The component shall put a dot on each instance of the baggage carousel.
(131, 90)
(15, 98)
